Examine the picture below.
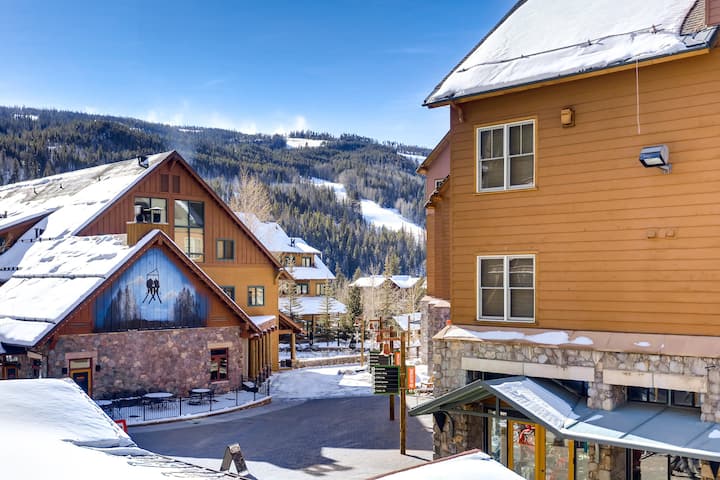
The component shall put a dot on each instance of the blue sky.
(338, 66)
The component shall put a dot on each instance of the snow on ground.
(292, 142)
(59, 433)
(323, 382)
(416, 158)
(374, 213)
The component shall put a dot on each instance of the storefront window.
(557, 453)
(581, 460)
(523, 452)
(498, 439)
(646, 465)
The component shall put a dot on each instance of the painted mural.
(153, 293)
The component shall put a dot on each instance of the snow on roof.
(314, 305)
(58, 432)
(263, 321)
(374, 281)
(542, 40)
(413, 319)
(467, 465)
(319, 271)
(273, 237)
(80, 194)
(552, 337)
(53, 277)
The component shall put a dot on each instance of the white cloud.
(298, 123)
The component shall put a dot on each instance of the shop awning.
(640, 426)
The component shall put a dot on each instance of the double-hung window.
(256, 296)
(506, 288)
(506, 156)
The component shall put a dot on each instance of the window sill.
(490, 192)
(513, 321)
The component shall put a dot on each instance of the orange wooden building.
(134, 198)
(566, 262)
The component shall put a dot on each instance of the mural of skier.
(135, 300)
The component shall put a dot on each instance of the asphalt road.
(340, 438)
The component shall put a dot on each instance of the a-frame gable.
(174, 179)
(184, 296)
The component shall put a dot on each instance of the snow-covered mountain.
(374, 213)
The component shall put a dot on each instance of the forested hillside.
(36, 143)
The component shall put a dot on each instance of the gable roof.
(68, 202)
(272, 235)
(373, 281)
(55, 277)
(539, 41)
(82, 194)
(439, 148)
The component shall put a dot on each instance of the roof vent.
(143, 161)
(292, 242)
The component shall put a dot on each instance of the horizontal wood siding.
(241, 279)
(438, 246)
(218, 224)
(618, 247)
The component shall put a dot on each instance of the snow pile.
(544, 338)
(543, 40)
(324, 382)
(374, 213)
(468, 465)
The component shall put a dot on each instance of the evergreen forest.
(41, 142)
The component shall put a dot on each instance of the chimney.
(143, 161)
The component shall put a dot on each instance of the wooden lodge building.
(163, 302)
(573, 257)
(308, 275)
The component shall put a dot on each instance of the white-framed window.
(506, 288)
(506, 156)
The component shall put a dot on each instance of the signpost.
(386, 380)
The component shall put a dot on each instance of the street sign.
(374, 359)
(386, 380)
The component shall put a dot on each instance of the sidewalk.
(137, 411)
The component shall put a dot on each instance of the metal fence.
(141, 409)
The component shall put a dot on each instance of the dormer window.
(506, 156)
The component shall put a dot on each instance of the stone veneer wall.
(133, 362)
(435, 313)
(447, 361)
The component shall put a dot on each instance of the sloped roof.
(444, 142)
(540, 40)
(52, 279)
(641, 426)
(68, 202)
(273, 237)
(55, 276)
(472, 464)
(313, 305)
(83, 194)
(374, 281)
(319, 271)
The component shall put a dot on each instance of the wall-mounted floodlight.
(656, 156)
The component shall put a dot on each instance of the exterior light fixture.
(656, 156)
